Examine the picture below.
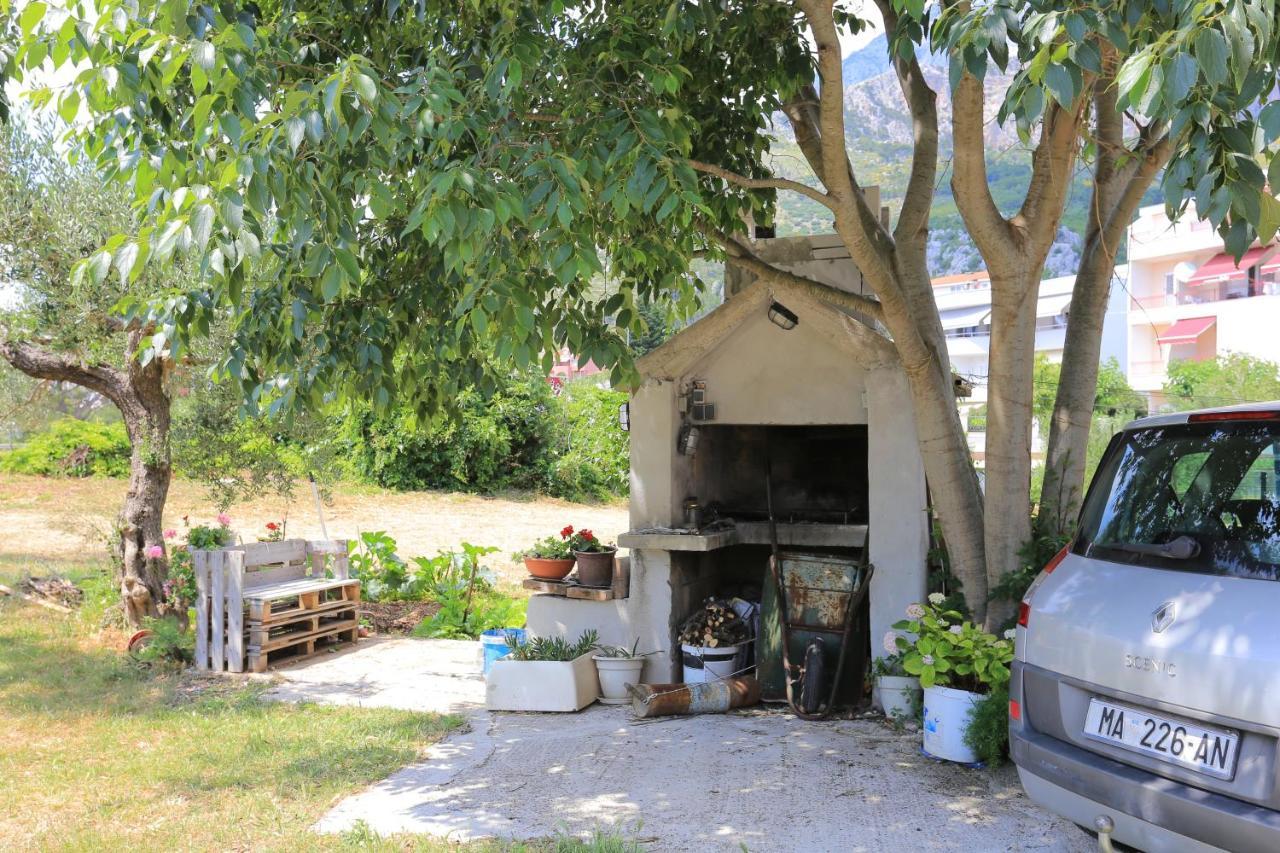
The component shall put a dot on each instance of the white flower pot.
(947, 713)
(615, 675)
(897, 695)
(705, 663)
(541, 685)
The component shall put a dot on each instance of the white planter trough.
(615, 674)
(541, 685)
(947, 713)
(897, 695)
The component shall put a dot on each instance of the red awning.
(1186, 331)
(1223, 265)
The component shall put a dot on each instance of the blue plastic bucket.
(495, 645)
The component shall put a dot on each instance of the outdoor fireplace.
(730, 398)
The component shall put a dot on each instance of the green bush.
(72, 448)
(594, 460)
(988, 732)
(490, 445)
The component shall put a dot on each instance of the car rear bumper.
(1149, 812)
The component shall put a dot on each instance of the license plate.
(1208, 751)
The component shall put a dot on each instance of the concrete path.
(760, 782)
(442, 676)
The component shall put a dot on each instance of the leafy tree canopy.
(1223, 381)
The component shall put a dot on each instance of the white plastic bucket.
(703, 663)
(615, 675)
(947, 712)
(897, 695)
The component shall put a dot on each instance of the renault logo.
(1163, 616)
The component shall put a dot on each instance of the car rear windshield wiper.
(1182, 548)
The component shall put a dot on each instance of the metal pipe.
(711, 697)
(1105, 826)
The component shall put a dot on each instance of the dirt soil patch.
(52, 521)
(395, 618)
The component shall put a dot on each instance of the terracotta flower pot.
(548, 570)
(595, 568)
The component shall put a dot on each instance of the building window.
(1170, 286)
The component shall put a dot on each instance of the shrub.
(593, 461)
(988, 732)
(488, 446)
(72, 448)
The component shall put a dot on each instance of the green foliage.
(988, 731)
(622, 652)
(381, 571)
(1223, 381)
(168, 644)
(592, 456)
(489, 609)
(491, 444)
(72, 448)
(1032, 558)
(657, 328)
(1115, 397)
(950, 651)
(551, 648)
(549, 548)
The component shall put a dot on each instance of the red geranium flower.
(271, 525)
(587, 535)
(567, 532)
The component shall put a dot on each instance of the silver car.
(1145, 696)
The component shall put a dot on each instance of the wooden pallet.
(270, 635)
(570, 588)
(297, 648)
(291, 599)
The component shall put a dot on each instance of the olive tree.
(439, 183)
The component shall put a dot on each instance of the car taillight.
(1209, 417)
(1015, 710)
(1024, 607)
(1024, 613)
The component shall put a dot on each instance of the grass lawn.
(97, 753)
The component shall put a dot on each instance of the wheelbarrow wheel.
(812, 678)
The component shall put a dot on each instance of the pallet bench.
(259, 603)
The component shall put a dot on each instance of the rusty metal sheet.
(819, 589)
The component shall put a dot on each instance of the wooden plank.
(217, 592)
(270, 553)
(271, 575)
(297, 588)
(258, 661)
(622, 577)
(235, 611)
(294, 637)
(280, 618)
(328, 546)
(589, 593)
(200, 563)
(545, 587)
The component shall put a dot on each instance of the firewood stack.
(716, 624)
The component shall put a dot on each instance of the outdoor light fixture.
(624, 417)
(782, 316)
(687, 442)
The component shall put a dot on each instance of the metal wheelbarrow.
(815, 600)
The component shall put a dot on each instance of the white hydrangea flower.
(956, 629)
(1011, 634)
(891, 642)
(915, 611)
(936, 598)
(927, 660)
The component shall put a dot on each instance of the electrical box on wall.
(696, 404)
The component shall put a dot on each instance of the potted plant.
(549, 559)
(595, 559)
(618, 667)
(895, 691)
(958, 665)
(544, 674)
(179, 589)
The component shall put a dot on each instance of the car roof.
(1181, 417)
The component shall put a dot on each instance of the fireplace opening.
(819, 472)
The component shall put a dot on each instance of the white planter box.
(541, 685)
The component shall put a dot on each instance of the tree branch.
(836, 174)
(1052, 164)
(40, 363)
(987, 226)
(744, 257)
(913, 219)
(762, 183)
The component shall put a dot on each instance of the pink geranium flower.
(154, 552)
(224, 519)
(170, 533)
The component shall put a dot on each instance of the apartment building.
(964, 304)
(1190, 300)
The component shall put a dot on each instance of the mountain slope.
(878, 138)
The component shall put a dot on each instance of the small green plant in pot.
(550, 558)
(959, 665)
(895, 691)
(595, 558)
(618, 668)
(544, 674)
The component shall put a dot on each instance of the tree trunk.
(138, 391)
(1009, 425)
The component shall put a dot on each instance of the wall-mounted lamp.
(687, 442)
(782, 316)
(624, 417)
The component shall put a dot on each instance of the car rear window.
(1216, 483)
